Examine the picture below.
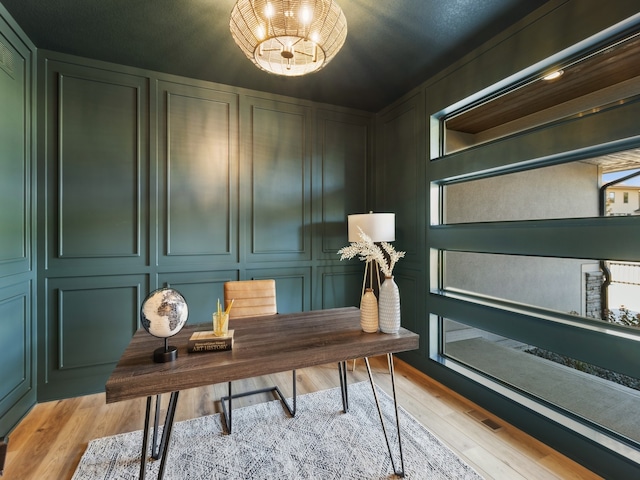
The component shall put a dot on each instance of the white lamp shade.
(381, 227)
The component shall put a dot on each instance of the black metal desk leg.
(156, 426)
(227, 414)
(342, 371)
(166, 432)
(230, 409)
(295, 395)
(145, 436)
(400, 473)
(161, 449)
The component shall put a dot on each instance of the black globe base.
(165, 354)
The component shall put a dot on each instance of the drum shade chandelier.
(288, 37)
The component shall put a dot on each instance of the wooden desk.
(262, 345)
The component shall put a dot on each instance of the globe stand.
(165, 354)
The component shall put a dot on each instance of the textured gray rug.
(321, 442)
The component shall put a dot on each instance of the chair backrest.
(251, 298)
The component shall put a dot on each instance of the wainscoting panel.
(91, 321)
(293, 286)
(277, 162)
(401, 174)
(400, 188)
(410, 285)
(198, 174)
(18, 259)
(155, 180)
(201, 290)
(16, 335)
(13, 340)
(343, 154)
(96, 171)
(15, 162)
(341, 286)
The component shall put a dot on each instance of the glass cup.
(220, 324)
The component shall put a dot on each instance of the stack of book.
(208, 342)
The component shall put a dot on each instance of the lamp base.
(165, 354)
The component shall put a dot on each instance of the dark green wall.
(124, 180)
(400, 175)
(151, 180)
(146, 180)
(405, 175)
(17, 228)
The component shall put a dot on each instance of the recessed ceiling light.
(553, 75)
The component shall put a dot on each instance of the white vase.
(369, 312)
(389, 306)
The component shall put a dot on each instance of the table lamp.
(380, 227)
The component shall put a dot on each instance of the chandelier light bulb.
(305, 15)
(269, 10)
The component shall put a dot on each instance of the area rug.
(320, 442)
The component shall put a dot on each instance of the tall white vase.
(389, 306)
(369, 312)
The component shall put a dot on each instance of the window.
(590, 392)
(566, 191)
(586, 86)
(532, 264)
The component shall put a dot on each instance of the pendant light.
(288, 37)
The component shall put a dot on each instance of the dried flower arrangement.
(368, 251)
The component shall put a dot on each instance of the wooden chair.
(252, 298)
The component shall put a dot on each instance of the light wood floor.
(49, 442)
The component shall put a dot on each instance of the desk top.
(262, 345)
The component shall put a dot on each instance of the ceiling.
(615, 65)
(392, 45)
(602, 79)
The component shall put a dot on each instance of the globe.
(164, 312)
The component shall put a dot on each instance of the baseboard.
(4, 444)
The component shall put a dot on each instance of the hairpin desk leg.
(400, 472)
(342, 371)
(145, 436)
(227, 414)
(161, 449)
